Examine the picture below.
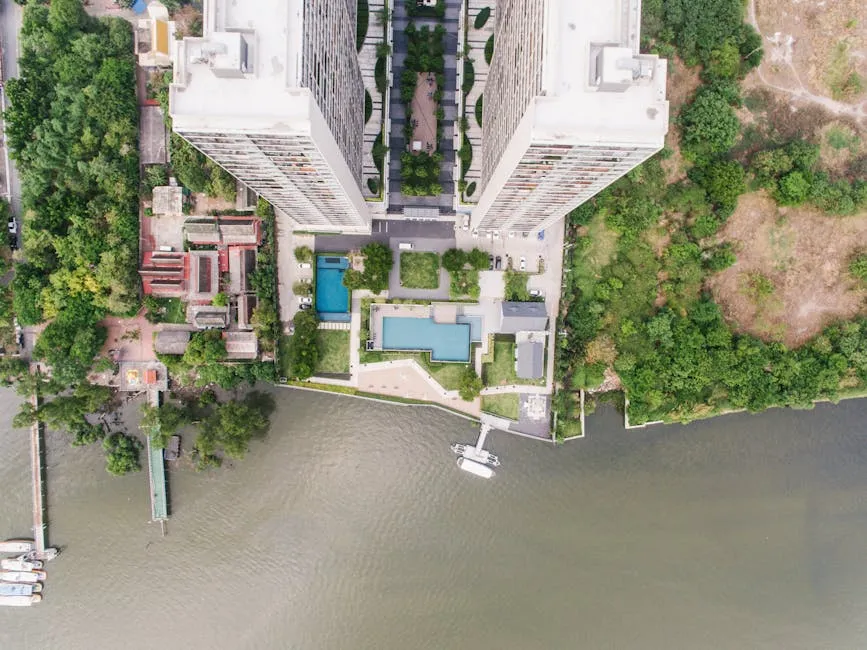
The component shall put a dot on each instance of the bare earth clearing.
(804, 254)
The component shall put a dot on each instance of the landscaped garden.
(506, 405)
(464, 270)
(421, 90)
(333, 351)
(501, 371)
(420, 270)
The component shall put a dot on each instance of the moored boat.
(22, 576)
(473, 467)
(17, 589)
(20, 563)
(16, 546)
(20, 601)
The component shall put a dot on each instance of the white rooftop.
(589, 55)
(247, 65)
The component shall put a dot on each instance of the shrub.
(478, 259)
(454, 259)
(466, 156)
(471, 189)
(469, 76)
(724, 182)
(470, 384)
(361, 23)
(303, 347)
(792, 189)
(489, 50)
(482, 17)
(720, 258)
(380, 75)
(479, 110)
(858, 267)
(373, 186)
(220, 300)
(378, 152)
(368, 107)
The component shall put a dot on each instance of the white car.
(496, 234)
(304, 265)
(523, 263)
(305, 300)
(512, 234)
(13, 227)
(466, 225)
(475, 234)
(535, 293)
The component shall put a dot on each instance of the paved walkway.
(476, 40)
(377, 33)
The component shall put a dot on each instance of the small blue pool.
(332, 298)
(446, 342)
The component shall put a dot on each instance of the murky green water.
(352, 528)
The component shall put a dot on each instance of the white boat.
(22, 576)
(473, 467)
(20, 601)
(16, 589)
(16, 546)
(20, 563)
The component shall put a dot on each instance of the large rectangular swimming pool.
(446, 342)
(332, 298)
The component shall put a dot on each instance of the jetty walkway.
(157, 472)
(37, 486)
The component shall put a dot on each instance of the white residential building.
(273, 93)
(570, 107)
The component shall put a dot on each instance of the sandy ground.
(424, 110)
(805, 254)
(810, 43)
(132, 337)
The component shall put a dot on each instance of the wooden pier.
(157, 474)
(37, 486)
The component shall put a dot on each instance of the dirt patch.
(803, 254)
(424, 114)
(815, 50)
(682, 83)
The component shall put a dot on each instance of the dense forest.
(635, 299)
(72, 130)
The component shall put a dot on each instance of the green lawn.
(420, 270)
(501, 372)
(176, 311)
(283, 348)
(505, 405)
(516, 286)
(333, 351)
(448, 375)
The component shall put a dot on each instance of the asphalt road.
(10, 24)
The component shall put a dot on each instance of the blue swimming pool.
(332, 298)
(446, 342)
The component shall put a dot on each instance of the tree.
(303, 347)
(378, 261)
(303, 254)
(470, 384)
(453, 260)
(121, 454)
(724, 181)
(205, 347)
(220, 300)
(232, 426)
(162, 422)
(353, 280)
(710, 126)
(478, 259)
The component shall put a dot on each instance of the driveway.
(422, 245)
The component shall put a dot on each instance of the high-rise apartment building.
(570, 107)
(272, 92)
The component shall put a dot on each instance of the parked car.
(13, 227)
(304, 265)
(496, 234)
(307, 306)
(498, 263)
(512, 234)
(490, 262)
(466, 225)
(305, 300)
(535, 293)
(523, 263)
(476, 233)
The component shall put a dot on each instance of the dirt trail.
(859, 111)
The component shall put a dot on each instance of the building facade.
(570, 106)
(273, 93)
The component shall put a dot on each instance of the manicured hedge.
(482, 18)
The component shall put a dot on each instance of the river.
(350, 527)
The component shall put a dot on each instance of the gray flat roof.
(523, 317)
(531, 360)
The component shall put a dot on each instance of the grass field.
(420, 270)
(501, 372)
(333, 351)
(505, 405)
